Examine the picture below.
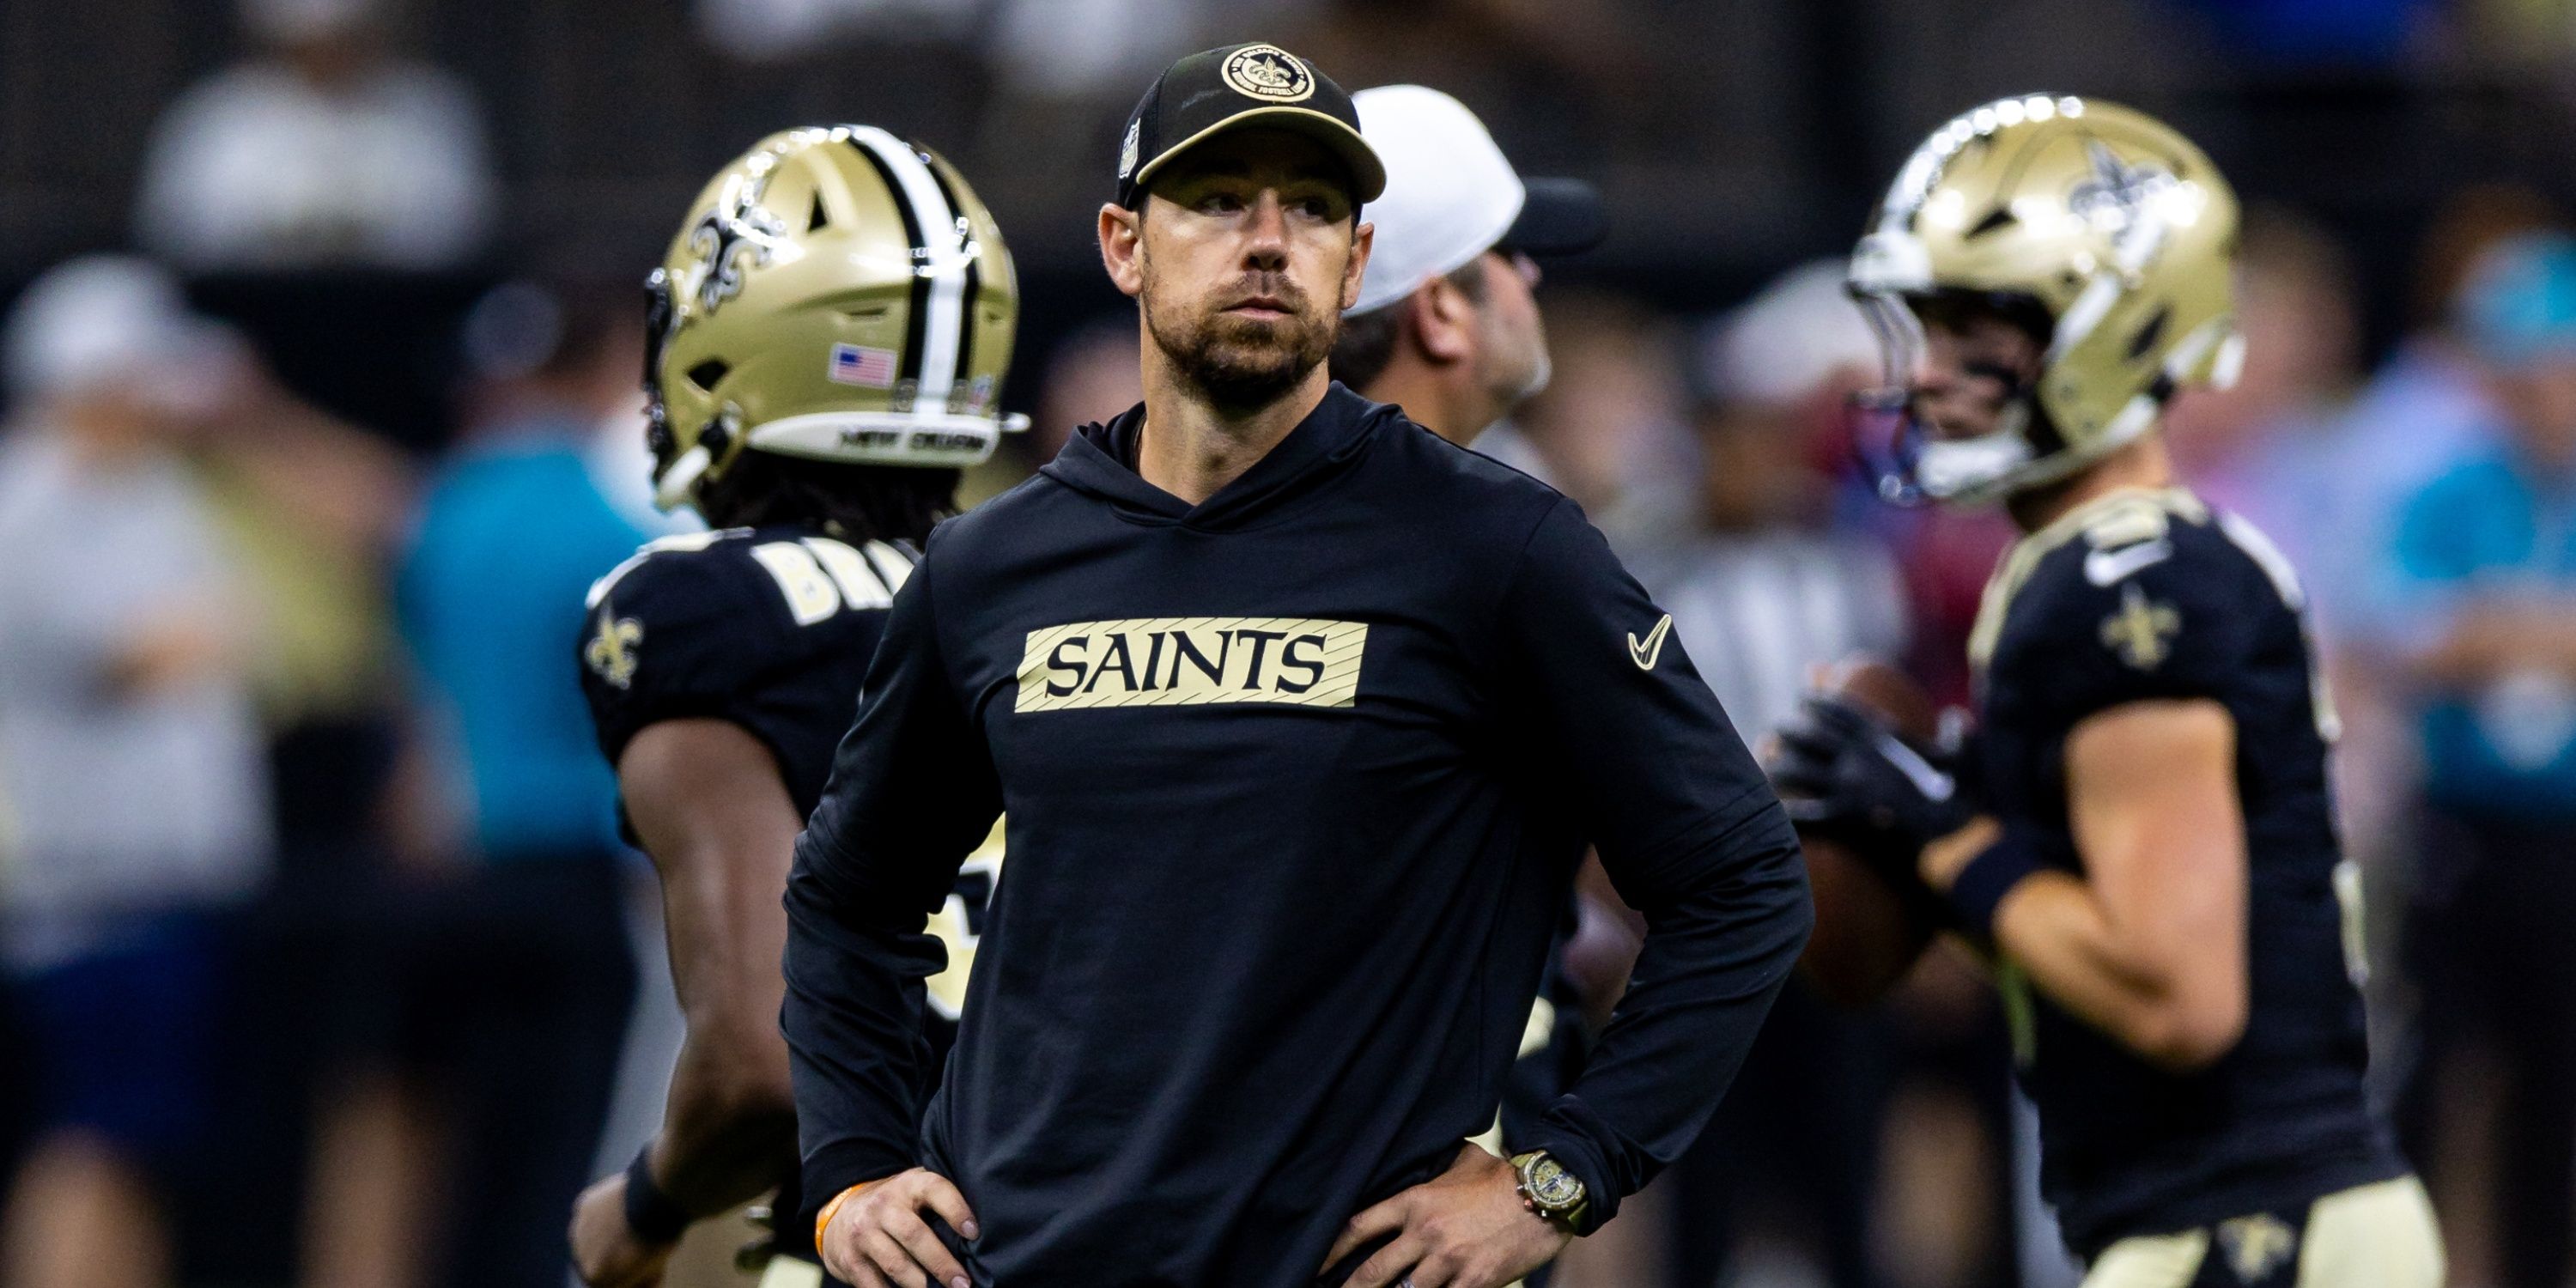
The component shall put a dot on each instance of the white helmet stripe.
(2086, 312)
(941, 234)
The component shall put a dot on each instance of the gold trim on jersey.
(2115, 519)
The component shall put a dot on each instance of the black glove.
(1843, 774)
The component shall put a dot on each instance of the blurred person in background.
(1082, 51)
(2141, 834)
(768, 30)
(2427, 405)
(2268, 446)
(1611, 429)
(2484, 611)
(314, 509)
(722, 668)
(524, 980)
(1446, 326)
(130, 762)
(325, 150)
(1764, 590)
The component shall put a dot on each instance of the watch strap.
(1569, 1219)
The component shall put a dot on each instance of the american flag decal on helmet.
(857, 364)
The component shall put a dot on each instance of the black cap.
(1209, 93)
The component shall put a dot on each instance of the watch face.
(1551, 1186)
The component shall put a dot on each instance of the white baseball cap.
(118, 321)
(1450, 196)
(1791, 340)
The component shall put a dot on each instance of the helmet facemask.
(676, 471)
(1914, 462)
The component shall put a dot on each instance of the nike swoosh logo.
(1644, 652)
(2107, 567)
(1935, 785)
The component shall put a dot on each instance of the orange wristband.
(823, 1219)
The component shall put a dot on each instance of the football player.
(2141, 832)
(828, 335)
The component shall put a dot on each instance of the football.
(1868, 933)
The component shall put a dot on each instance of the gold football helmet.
(837, 294)
(2102, 221)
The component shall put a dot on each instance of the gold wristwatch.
(1555, 1194)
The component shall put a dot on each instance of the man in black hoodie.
(1301, 718)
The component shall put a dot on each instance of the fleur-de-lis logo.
(737, 234)
(1268, 72)
(2139, 632)
(2117, 195)
(2257, 1245)
(611, 652)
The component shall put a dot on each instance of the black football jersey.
(2145, 595)
(770, 628)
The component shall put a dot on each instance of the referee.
(1302, 718)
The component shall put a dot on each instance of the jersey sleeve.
(2169, 616)
(912, 792)
(1687, 828)
(675, 636)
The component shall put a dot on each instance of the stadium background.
(2381, 145)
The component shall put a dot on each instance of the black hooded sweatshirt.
(1296, 781)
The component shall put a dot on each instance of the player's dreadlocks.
(852, 502)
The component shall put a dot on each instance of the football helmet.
(838, 294)
(2099, 223)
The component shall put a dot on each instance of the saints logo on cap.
(1268, 72)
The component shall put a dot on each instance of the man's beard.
(1517, 367)
(1238, 363)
